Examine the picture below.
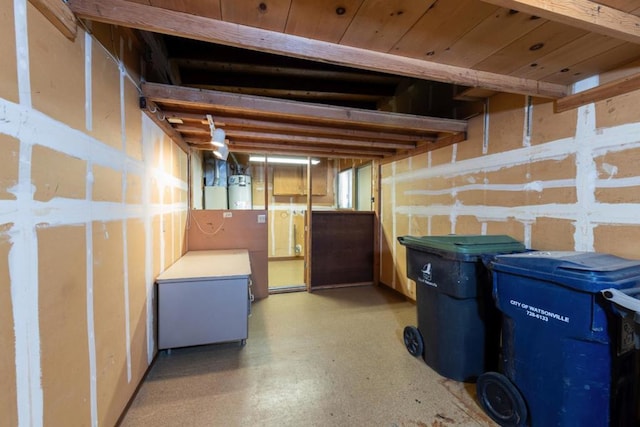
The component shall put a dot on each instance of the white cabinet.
(204, 298)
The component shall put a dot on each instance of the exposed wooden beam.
(59, 14)
(281, 71)
(290, 93)
(311, 113)
(273, 136)
(197, 137)
(599, 93)
(149, 18)
(584, 14)
(250, 147)
(320, 154)
(227, 122)
(193, 130)
(471, 94)
(320, 131)
(295, 145)
(311, 140)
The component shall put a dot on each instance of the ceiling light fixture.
(284, 160)
(222, 152)
(217, 135)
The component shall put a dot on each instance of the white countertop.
(196, 265)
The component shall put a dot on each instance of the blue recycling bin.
(458, 329)
(569, 356)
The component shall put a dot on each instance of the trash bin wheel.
(413, 340)
(501, 400)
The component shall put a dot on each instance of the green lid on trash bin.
(464, 244)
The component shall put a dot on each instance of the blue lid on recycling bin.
(585, 271)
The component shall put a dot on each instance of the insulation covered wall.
(93, 203)
(563, 181)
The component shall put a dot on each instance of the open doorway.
(288, 216)
(286, 245)
(336, 194)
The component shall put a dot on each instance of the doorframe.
(307, 228)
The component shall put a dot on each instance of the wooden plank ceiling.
(363, 78)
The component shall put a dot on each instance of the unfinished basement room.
(399, 213)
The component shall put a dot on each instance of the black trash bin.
(458, 325)
(569, 356)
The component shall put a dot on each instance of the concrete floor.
(329, 358)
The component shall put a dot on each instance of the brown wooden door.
(342, 248)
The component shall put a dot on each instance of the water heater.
(239, 192)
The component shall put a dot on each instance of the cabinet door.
(196, 312)
(288, 180)
(291, 180)
(318, 179)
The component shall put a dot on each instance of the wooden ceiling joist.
(228, 123)
(292, 94)
(243, 147)
(193, 130)
(599, 93)
(280, 71)
(59, 14)
(584, 14)
(319, 154)
(326, 132)
(287, 110)
(311, 140)
(273, 135)
(155, 19)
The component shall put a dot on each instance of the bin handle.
(621, 299)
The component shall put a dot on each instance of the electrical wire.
(209, 233)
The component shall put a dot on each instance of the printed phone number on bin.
(539, 313)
